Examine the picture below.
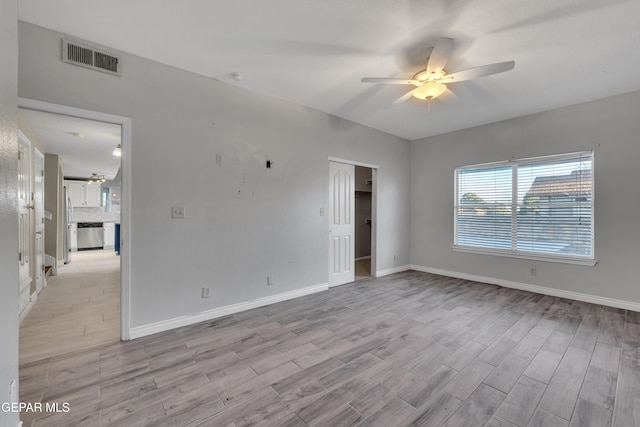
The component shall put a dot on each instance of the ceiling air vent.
(91, 57)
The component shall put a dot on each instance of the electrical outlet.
(206, 292)
(532, 271)
(395, 257)
(269, 281)
(218, 159)
(321, 211)
(177, 212)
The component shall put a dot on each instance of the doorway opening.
(84, 302)
(363, 222)
(352, 221)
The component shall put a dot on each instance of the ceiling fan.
(431, 83)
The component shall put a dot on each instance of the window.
(539, 207)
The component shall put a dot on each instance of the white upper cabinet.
(84, 195)
(93, 195)
(76, 191)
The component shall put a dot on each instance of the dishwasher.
(90, 236)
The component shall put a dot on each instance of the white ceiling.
(314, 52)
(87, 152)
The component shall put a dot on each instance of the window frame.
(513, 252)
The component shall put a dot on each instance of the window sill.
(589, 262)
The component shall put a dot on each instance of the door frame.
(374, 208)
(43, 282)
(125, 207)
(27, 251)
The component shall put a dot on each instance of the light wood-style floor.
(79, 308)
(407, 349)
(363, 269)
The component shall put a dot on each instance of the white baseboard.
(578, 296)
(177, 322)
(32, 300)
(387, 271)
(50, 261)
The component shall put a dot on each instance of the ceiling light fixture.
(117, 151)
(429, 90)
(96, 178)
(432, 81)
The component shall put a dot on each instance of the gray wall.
(609, 126)
(243, 221)
(52, 195)
(8, 207)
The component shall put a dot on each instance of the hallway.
(79, 308)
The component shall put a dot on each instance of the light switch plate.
(177, 212)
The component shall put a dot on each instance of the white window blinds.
(538, 206)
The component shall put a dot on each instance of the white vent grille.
(91, 57)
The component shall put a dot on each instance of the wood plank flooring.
(410, 349)
(79, 308)
(363, 269)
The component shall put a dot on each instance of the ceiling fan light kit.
(430, 82)
(429, 90)
(423, 75)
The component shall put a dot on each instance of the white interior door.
(341, 225)
(24, 222)
(39, 219)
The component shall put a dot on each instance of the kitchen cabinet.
(109, 230)
(76, 192)
(84, 194)
(73, 237)
(93, 196)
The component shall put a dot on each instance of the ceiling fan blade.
(400, 100)
(439, 56)
(481, 71)
(448, 97)
(389, 81)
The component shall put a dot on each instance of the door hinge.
(20, 256)
(19, 155)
